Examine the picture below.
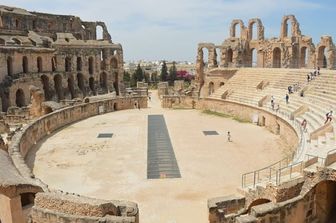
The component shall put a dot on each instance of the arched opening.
(17, 23)
(20, 98)
(254, 31)
(221, 84)
(4, 100)
(254, 58)
(115, 107)
(211, 88)
(2, 42)
(39, 65)
(47, 110)
(276, 57)
(114, 63)
(91, 84)
(99, 32)
(27, 199)
(304, 57)
(229, 56)
(236, 32)
(58, 87)
(80, 82)
(322, 57)
(68, 64)
(116, 83)
(288, 28)
(46, 88)
(103, 81)
(71, 87)
(53, 64)
(79, 64)
(34, 24)
(257, 202)
(25, 64)
(325, 201)
(217, 58)
(91, 65)
(9, 66)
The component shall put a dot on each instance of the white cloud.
(155, 29)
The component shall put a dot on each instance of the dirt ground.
(75, 160)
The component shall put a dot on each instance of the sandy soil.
(75, 160)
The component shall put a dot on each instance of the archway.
(211, 88)
(254, 58)
(71, 87)
(25, 64)
(304, 57)
(99, 32)
(253, 31)
(276, 57)
(115, 107)
(20, 98)
(27, 199)
(80, 82)
(9, 66)
(205, 57)
(236, 32)
(58, 86)
(288, 28)
(103, 80)
(221, 84)
(116, 83)
(68, 64)
(322, 57)
(217, 61)
(53, 64)
(257, 202)
(229, 55)
(39, 65)
(4, 100)
(46, 89)
(91, 65)
(114, 63)
(325, 201)
(79, 64)
(91, 84)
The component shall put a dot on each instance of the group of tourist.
(276, 108)
(312, 75)
(328, 117)
(294, 88)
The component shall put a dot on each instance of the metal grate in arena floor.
(161, 160)
(105, 135)
(210, 133)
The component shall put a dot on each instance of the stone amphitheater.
(58, 77)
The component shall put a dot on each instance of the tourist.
(229, 136)
(318, 70)
(328, 117)
(272, 102)
(304, 125)
(287, 98)
(308, 78)
(278, 108)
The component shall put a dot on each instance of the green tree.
(172, 73)
(127, 76)
(139, 74)
(164, 72)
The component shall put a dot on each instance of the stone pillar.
(11, 210)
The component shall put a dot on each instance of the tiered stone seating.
(319, 98)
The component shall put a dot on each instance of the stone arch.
(9, 66)
(114, 63)
(205, 52)
(116, 82)
(221, 84)
(17, 41)
(71, 87)
(253, 57)
(53, 64)
(79, 64)
(115, 106)
(91, 69)
(211, 88)
(103, 80)
(295, 26)
(68, 64)
(20, 100)
(99, 32)
(2, 41)
(25, 64)
(325, 201)
(322, 60)
(27, 199)
(5, 102)
(39, 64)
(304, 56)
(218, 54)
(233, 30)
(80, 82)
(92, 84)
(259, 29)
(58, 87)
(229, 55)
(276, 57)
(46, 88)
(257, 202)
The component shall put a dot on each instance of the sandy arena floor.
(75, 160)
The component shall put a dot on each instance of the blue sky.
(171, 29)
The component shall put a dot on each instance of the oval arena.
(78, 146)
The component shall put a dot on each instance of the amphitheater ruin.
(59, 79)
